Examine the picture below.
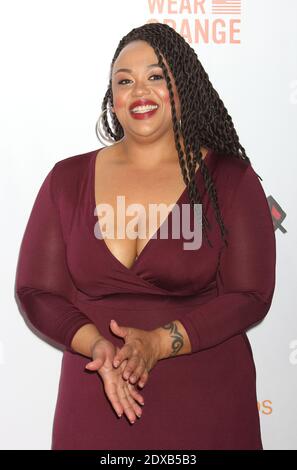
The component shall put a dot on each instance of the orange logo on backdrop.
(207, 21)
(265, 407)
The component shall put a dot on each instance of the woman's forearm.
(173, 340)
(84, 339)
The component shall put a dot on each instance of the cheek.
(119, 103)
(166, 100)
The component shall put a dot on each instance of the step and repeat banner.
(55, 61)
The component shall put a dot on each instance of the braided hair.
(204, 118)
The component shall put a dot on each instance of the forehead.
(136, 54)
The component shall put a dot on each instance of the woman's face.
(146, 83)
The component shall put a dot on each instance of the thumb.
(118, 330)
(96, 364)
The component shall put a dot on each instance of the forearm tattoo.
(177, 338)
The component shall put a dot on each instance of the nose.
(140, 88)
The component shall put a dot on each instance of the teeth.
(144, 109)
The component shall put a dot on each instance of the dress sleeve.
(246, 272)
(44, 286)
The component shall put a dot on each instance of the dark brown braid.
(204, 119)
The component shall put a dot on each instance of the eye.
(126, 79)
(161, 76)
(120, 82)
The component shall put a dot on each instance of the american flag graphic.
(226, 7)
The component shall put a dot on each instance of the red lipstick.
(143, 114)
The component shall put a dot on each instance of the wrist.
(94, 342)
(172, 340)
(161, 343)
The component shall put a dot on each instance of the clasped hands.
(121, 368)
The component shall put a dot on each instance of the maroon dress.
(67, 277)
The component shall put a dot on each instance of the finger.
(132, 364)
(135, 394)
(124, 353)
(121, 331)
(143, 379)
(125, 402)
(137, 373)
(96, 364)
(112, 395)
(137, 409)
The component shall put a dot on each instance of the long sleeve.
(246, 273)
(44, 286)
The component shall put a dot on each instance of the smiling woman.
(135, 88)
(174, 318)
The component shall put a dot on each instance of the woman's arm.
(44, 286)
(245, 277)
(84, 339)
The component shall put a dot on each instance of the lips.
(142, 103)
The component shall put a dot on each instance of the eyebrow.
(129, 70)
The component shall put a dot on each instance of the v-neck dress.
(67, 277)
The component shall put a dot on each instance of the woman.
(175, 318)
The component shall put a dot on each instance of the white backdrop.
(55, 58)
